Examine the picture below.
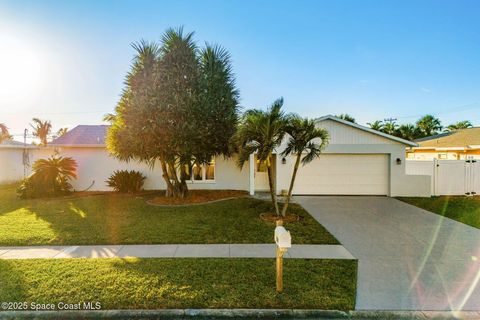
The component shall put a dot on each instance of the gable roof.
(370, 130)
(83, 136)
(462, 138)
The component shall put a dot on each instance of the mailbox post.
(283, 241)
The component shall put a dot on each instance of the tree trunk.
(271, 183)
(292, 182)
(170, 191)
(183, 188)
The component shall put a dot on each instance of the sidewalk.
(174, 251)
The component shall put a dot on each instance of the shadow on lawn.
(128, 219)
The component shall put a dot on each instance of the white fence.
(449, 177)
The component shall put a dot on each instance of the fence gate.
(449, 177)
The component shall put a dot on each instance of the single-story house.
(357, 161)
(460, 144)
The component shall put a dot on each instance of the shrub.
(126, 181)
(50, 177)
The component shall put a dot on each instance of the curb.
(239, 314)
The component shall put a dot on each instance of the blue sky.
(65, 60)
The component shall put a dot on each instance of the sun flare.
(22, 71)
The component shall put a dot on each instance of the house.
(13, 160)
(357, 161)
(455, 145)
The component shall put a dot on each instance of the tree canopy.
(179, 106)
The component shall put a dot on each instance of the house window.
(197, 174)
(203, 172)
(210, 170)
(442, 156)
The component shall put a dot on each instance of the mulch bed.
(198, 196)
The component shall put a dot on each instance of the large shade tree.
(179, 108)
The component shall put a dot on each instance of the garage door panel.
(344, 174)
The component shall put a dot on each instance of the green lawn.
(181, 283)
(459, 208)
(124, 219)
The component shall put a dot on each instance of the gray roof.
(14, 144)
(83, 135)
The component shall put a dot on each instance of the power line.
(466, 107)
(57, 113)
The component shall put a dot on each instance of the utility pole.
(390, 119)
(25, 153)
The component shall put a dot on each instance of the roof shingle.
(457, 138)
(83, 135)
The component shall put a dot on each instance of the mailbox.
(282, 237)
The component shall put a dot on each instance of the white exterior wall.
(11, 165)
(95, 165)
(345, 139)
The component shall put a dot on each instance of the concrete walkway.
(408, 258)
(174, 251)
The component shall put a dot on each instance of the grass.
(181, 283)
(459, 208)
(198, 196)
(125, 219)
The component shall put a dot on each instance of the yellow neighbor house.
(455, 145)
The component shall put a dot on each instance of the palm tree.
(376, 125)
(61, 132)
(459, 125)
(41, 130)
(429, 125)
(4, 134)
(305, 140)
(346, 116)
(390, 127)
(109, 117)
(408, 132)
(50, 177)
(261, 132)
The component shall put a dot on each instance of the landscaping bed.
(460, 208)
(181, 283)
(198, 196)
(127, 219)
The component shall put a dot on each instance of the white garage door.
(344, 174)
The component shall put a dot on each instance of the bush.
(126, 181)
(50, 177)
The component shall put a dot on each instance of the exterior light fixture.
(399, 161)
(284, 160)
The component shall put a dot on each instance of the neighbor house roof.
(370, 130)
(83, 136)
(458, 139)
(12, 144)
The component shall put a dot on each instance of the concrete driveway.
(409, 258)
